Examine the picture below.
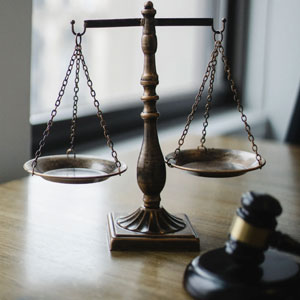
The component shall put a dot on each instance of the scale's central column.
(151, 226)
(151, 170)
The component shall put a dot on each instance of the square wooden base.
(122, 239)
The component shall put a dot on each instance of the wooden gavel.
(246, 268)
(253, 230)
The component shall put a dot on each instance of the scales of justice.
(150, 226)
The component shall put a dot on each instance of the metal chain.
(209, 93)
(54, 111)
(239, 105)
(99, 112)
(75, 107)
(194, 106)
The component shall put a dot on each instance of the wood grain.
(53, 242)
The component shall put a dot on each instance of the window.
(115, 62)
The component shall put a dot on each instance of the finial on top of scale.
(148, 5)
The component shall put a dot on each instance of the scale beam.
(102, 23)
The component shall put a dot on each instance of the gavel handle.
(284, 242)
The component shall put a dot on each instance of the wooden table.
(53, 242)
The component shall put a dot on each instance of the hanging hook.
(77, 34)
(223, 27)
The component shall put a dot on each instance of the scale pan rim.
(225, 157)
(103, 168)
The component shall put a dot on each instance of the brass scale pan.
(215, 162)
(79, 169)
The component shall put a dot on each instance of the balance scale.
(150, 227)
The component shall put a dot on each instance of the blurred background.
(261, 41)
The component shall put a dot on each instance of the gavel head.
(252, 227)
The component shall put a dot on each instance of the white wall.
(15, 45)
(273, 63)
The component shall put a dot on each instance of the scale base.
(122, 239)
(215, 276)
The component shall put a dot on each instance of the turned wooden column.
(151, 227)
(151, 170)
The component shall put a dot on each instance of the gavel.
(246, 268)
(253, 230)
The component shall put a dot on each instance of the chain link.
(54, 111)
(209, 93)
(99, 113)
(75, 103)
(239, 105)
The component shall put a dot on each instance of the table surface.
(53, 240)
